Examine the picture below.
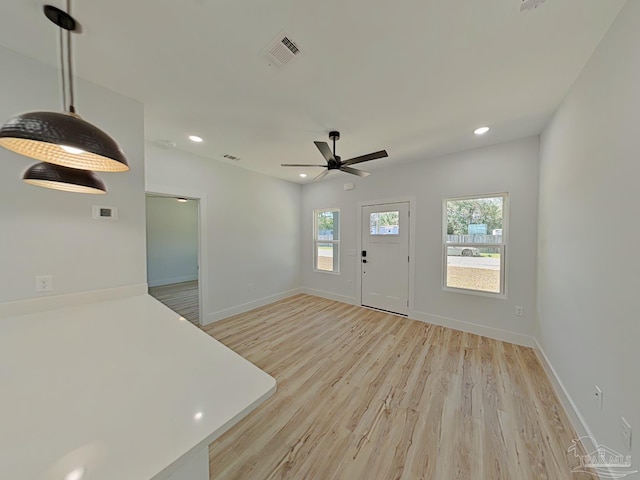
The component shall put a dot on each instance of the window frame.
(502, 246)
(316, 241)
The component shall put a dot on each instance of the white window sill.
(479, 293)
(325, 271)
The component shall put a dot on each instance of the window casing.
(326, 240)
(475, 235)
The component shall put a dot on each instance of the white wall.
(252, 253)
(44, 231)
(172, 241)
(589, 232)
(510, 167)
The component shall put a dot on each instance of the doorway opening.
(173, 263)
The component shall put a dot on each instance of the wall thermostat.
(105, 213)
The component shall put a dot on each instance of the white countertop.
(123, 389)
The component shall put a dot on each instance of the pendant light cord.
(66, 68)
(62, 71)
(72, 108)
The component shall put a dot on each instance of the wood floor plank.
(369, 395)
(182, 298)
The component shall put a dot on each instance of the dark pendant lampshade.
(63, 139)
(67, 179)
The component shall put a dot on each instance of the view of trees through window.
(325, 221)
(327, 240)
(474, 242)
(384, 223)
(484, 213)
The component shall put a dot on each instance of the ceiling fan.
(334, 162)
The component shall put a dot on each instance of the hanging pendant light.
(49, 175)
(63, 138)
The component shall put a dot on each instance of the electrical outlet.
(44, 283)
(519, 310)
(597, 396)
(625, 431)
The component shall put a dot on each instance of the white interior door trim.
(203, 271)
(412, 245)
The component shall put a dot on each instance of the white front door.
(385, 257)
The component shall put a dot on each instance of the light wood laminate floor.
(368, 395)
(182, 298)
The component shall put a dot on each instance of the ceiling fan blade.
(321, 176)
(366, 158)
(354, 171)
(300, 165)
(325, 151)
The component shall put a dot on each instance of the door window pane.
(384, 223)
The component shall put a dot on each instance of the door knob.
(364, 260)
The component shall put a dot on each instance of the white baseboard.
(53, 302)
(469, 327)
(495, 333)
(170, 281)
(245, 307)
(570, 408)
(329, 295)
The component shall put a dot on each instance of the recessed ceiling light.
(182, 200)
(195, 138)
(197, 416)
(481, 130)
(303, 175)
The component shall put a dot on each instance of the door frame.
(412, 244)
(203, 274)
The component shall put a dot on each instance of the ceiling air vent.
(230, 157)
(530, 4)
(281, 51)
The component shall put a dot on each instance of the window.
(326, 240)
(384, 223)
(475, 233)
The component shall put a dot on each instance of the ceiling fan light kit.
(334, 162)
(63, 139)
